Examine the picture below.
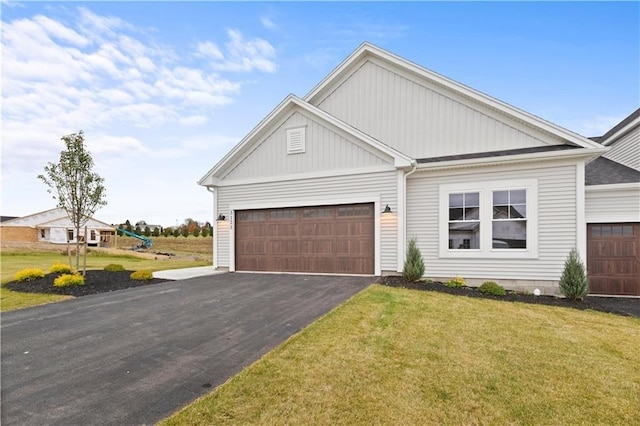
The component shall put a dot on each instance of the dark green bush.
(142, 275)
(414, 264)
(489, 287)
(574, 282)
(114, 267)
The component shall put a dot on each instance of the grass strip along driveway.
(397, 356)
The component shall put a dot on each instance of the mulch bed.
(95, 282)
(98, 281)
(614, 305)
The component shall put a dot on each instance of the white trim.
(215, 228)
(507, 159)
(309, 175)
(348, 66)
(326, 201)
(401, 232)
(581, 221)
(613, 187)
(485, 189)
(617, 135)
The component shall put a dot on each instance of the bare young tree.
(78, 190)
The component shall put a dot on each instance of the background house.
(54, 226)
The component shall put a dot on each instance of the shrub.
(574, 282)
(29, 274)
(142, 275)
(114, 267)
(68, 280)
(489, 287)
(414, 264)
(60, 268)
(455, 282)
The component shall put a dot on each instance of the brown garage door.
(613, 258)
(325, 239)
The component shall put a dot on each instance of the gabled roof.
(367, 50)
(244, 147)
(620, 129)
(603, 171)
(48, 218)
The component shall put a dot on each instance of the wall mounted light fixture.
(221, 217)
(386, 209)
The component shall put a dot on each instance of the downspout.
(414, 167)
(214, 227)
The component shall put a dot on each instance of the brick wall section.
(18, 233)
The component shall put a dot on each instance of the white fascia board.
(613, 138)
(290, 102)
(613, 187)
(367, 49)
(519, 158)
(308, 175)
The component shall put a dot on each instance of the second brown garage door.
(613, 258)
(322, 239)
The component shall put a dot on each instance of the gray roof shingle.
(603, 171)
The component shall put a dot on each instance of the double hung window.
(489, 219)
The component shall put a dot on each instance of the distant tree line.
(187, 228)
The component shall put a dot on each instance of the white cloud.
(268, 23)
(103, 75)
(239, 55)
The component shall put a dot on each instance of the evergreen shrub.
(414, 264)
(574, 282)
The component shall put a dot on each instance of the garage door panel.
(613, 258)
(331, 239)
(276, 247)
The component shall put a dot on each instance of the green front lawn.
(12, 262)
(396, 356)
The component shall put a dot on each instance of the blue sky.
(163, 90)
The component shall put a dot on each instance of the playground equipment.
(146, 242)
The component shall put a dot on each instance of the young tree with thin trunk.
(72, 182)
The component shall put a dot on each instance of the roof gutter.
(519, 158)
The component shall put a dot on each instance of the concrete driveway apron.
(137, 355)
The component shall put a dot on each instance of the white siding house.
(54, 226)
(383, 150)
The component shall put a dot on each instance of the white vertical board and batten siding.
(422, 119)
(376, 186)
(556, 210)
(325, 149)
(627, 150)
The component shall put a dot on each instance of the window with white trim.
(509, 227)
(489, 219)
(464, 220)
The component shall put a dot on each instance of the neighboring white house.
(383, 150)
(54, 226)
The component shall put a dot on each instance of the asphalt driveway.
(135, 356)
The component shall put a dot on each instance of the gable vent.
(295, 140)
